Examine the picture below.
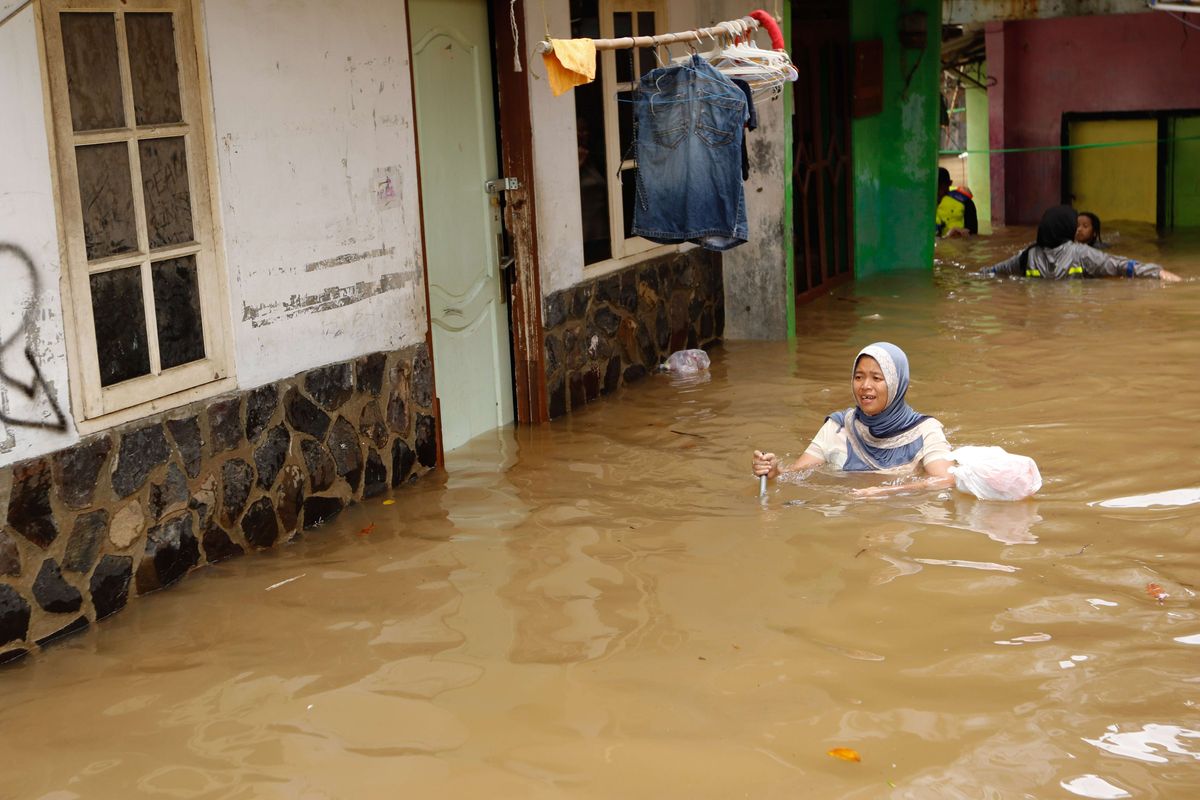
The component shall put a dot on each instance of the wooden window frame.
(95, 406)
(624, 250)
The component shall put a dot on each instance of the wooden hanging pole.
(732, 28)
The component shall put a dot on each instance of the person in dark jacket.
(1056, 255)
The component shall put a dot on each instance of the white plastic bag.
(687, 362)
(991, 473)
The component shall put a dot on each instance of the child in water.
(1087, 231)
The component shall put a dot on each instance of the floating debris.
(1156, 591)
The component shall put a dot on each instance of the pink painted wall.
(1045, 68)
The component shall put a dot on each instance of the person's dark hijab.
(1057, 227)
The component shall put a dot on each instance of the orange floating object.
(365, 531)
(1156, 591)
(845, 754)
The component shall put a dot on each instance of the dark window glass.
(153, 68)
(647, 61)
(165, 186)
(628, 196)
(625, 125)
(121, 346)
(177, 311)
(623, 26)
(593, 161)
(93, 77)
(106, 197)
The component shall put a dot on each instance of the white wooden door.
(456, 131)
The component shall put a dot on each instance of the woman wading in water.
(1056, 255)
(881, 433)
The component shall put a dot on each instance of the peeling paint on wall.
(333, 297)
(348, 258)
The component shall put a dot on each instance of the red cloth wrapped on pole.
(768, 22)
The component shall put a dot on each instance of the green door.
(1184, 177)
(456, 132)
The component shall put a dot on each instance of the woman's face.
(1083, 230)
(870, 388)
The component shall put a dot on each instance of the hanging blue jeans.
(690, 122)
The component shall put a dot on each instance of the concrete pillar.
(979, 167)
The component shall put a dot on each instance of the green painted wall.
(979, 166)
(895, 152)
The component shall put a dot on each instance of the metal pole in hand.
(762, 485)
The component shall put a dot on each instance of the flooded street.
(603, 608)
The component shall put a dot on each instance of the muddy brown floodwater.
(602, 607)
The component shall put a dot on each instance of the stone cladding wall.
(613, 330)
(134, 509)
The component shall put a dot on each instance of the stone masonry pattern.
(614, 330)
(135, 508)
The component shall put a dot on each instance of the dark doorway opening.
(822, 172)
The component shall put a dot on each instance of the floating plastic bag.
(991, 473)
(687, 362)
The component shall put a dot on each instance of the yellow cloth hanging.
(570, 63)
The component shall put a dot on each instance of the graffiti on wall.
(17, 270)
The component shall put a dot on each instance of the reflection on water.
(603, 607)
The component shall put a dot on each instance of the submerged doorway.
(1141, 166)
(456, 130)
(822, 171)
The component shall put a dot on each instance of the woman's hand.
(765, 464)
(1166, 276)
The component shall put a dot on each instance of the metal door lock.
(501, 185)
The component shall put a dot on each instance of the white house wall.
(317, 196)
(556, 159)
(30, 309)
(313, 117)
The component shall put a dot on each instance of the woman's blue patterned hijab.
(896, 418)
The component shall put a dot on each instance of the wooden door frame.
(515, 123)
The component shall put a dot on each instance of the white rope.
(1184, 21)
(512, 19)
